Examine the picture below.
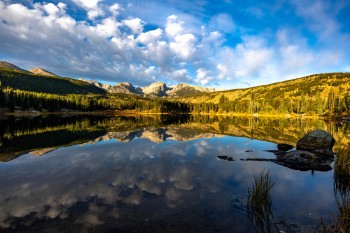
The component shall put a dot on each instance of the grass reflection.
(259, 202)
(340, 222)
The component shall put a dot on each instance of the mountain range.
(323, 94)
(157, 89)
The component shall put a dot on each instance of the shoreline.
(136, 113)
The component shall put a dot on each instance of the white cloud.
(88, 4)
(108, 27)
(174, 26)
(150, 36)
(94, 13)
(116, 44)
(136, 25)
(51, 9)
(183, 45)
(203, 76)
(115, 8)
(181, 76)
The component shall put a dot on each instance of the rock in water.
(225, 157)
(316, 140)
(304, 161)
(284, 147)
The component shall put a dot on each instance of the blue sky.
(222, 44)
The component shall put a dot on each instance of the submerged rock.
(284, 147)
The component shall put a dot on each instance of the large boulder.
(316, 140)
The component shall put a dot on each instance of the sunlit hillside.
(315, 94)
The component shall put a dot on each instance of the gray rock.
(284, 147)
(299, 160)
(304, 160)
(316, 140)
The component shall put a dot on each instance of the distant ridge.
(40, 71)
(40, 80)
(157, 89)
(9, 66)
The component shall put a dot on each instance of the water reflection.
(147, 175)
(41, 134)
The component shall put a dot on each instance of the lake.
(156, 174)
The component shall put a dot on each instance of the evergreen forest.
(321, 94)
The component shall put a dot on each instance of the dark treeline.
(12, 100)
(27, 100)
(47, 84)
(122, 101)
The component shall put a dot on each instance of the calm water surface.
(84, 174)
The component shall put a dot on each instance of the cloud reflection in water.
(111, 183)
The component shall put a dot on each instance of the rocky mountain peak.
(124, 87)
(157, 88)
(41, 71)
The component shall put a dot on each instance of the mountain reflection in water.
(152, 174)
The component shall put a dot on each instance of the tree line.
(12, 100)
(323, 94)
(332, 105)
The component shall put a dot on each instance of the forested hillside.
(316, 94)
(47, 84)
(320, 94)
(12, 99)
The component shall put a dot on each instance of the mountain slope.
(185, 89)
(40, 71)
(105, 87)
(46, 84)
(317, 93)
(9, 66)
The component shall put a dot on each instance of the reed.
(342, 170)
(259, 202)
(340, 222)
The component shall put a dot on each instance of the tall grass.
(259, 202)
(340, 222)
(342, 170)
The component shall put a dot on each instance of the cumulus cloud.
(87, 3)
(203, 76)
(150, 36)
(136, 25)
(115, 43)
(183, 45)
(174, 26)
